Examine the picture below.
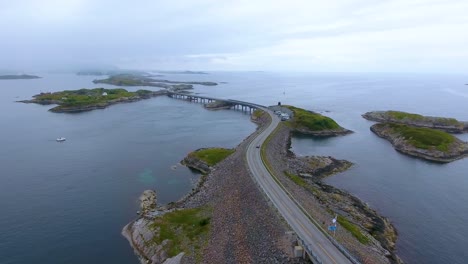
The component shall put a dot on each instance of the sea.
(68, 202)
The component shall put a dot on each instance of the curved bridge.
(236, 104)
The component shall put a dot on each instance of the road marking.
(326, 253)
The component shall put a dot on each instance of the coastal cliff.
(424, 143)
(450, 125)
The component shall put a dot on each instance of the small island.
(139, 80)
(450, 125)
(74, 101)
(425, 143)
(311, 123)
(18, 77)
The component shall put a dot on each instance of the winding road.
(315, 241)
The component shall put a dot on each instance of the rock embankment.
(244, 227)
(455, 150)
(449, 125)
(302, 176)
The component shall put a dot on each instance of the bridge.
(236, 104)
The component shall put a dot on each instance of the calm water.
(66, 203)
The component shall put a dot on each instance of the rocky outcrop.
(216, 105)
(317, 166)
(322, 133)
(449, 125)
(457, 150)
(196, 164)
(140, 232)
(148, 201)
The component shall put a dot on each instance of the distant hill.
(16, 77)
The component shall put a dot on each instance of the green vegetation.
(312, 121)
(257, 113)
(185, 229)
(354, 229)
(424, 138)
(415, 117)
(212, 155)
(86, 97)
(296, 179)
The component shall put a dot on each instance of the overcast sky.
(293, 35)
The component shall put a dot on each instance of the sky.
(270, 35)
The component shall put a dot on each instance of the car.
(258, 146)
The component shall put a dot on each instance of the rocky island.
(425, 143)
(139, 80)
(18, 77)
(74, 101)
(450, 125)
(311, 123)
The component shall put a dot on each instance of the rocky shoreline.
(449, 125)
(456, 150)
(302, 176)
(245, 228)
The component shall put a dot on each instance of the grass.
(424, 138)
(312, 121)
(184, 229)
(84, 97)
(212, 156)
(353, 229)
(415, 117)
(257, 113)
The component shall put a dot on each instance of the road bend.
(320, 245)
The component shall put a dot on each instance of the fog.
(293, 35)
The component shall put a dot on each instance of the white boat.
(61, 139)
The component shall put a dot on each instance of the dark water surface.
(66, 203)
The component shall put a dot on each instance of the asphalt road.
(299, 222)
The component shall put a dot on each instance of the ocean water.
(66, 203)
